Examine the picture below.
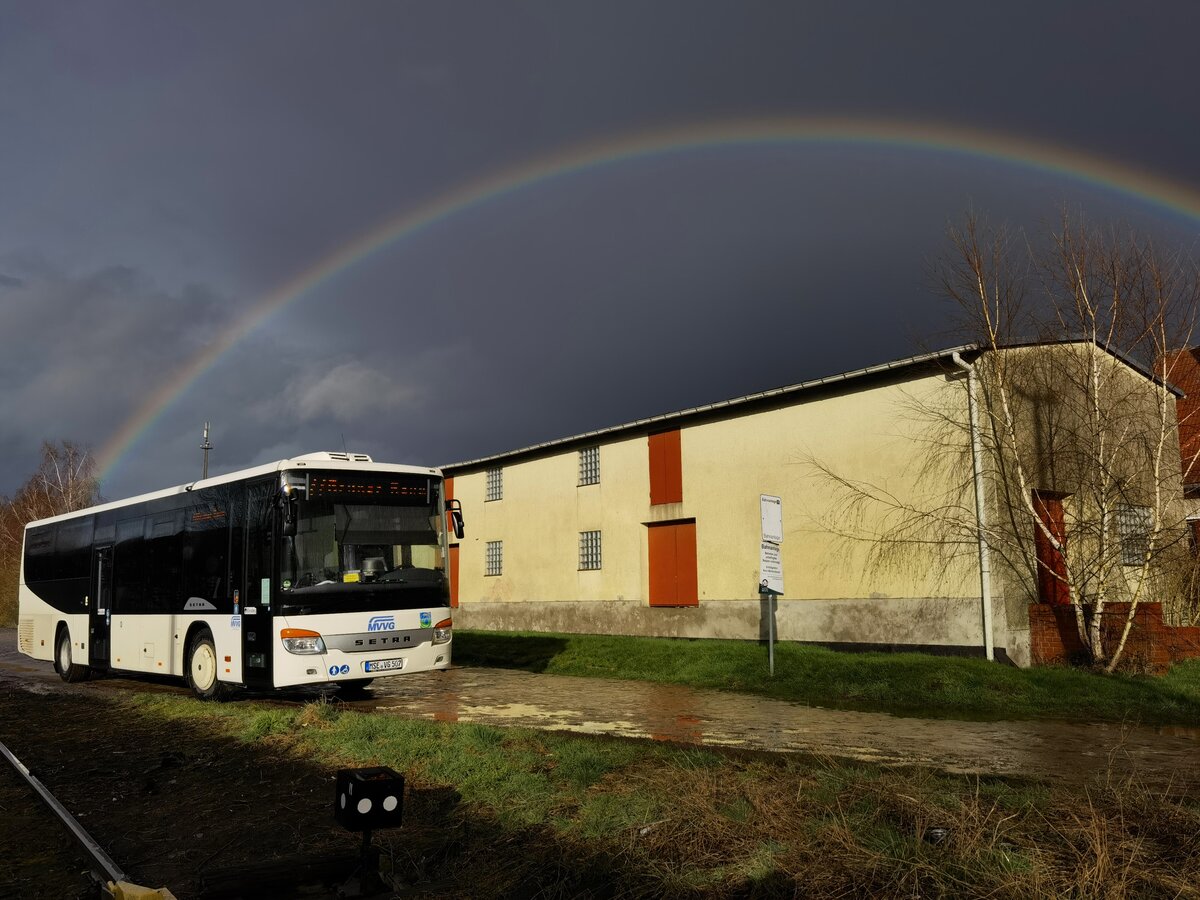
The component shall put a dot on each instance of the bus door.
(259, 584)
(100, 615)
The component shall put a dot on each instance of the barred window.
(589, 465)
(589, 550)
(494, 558)
(495, 484)
(1133, 526)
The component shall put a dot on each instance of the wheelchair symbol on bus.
(339, 670)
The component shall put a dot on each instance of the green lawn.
(531, 813)
(904, 683)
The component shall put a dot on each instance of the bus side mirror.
(288, 526)
(454, 508)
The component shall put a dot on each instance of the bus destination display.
(350, 487)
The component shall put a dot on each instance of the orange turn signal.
(298, 633)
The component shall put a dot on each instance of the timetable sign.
(772, 518)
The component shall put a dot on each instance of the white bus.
(324, 569)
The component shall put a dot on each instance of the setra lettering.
(391, 640)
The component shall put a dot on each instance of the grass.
(548, 814)
(903, 683)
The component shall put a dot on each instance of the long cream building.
(654, 527)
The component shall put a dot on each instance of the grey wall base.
(954, 624)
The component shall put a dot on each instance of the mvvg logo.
(382, 623)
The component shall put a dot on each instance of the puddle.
(502, 697)
(1058, 750)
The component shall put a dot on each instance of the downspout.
(985, 567)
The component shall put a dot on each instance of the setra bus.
(327, 568)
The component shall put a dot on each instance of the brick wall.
(1152, 646)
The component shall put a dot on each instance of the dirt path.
(1056, 750)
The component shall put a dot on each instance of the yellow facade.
(539, 519)
(869, 429)
(875, 474)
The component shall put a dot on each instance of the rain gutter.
(985, 566)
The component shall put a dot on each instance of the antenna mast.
(206, 446)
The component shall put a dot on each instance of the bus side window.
(129, 569)
(39, 553)
(74, 547)
(205, 552)
(164, 560)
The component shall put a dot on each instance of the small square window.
(589, 550)
(494, 559)
(495, 484)
(589, 465)
(1133, 525)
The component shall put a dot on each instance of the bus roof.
(323, 460)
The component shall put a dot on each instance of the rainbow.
(1027, 153)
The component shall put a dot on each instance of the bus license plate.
(380, 665)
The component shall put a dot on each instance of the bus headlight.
(441, 631)
(300, 640)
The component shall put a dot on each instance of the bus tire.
(355, 687)
(202, 668)
(67, 670)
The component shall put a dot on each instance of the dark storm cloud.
(80, 349)
(149, 147)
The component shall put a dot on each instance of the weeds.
(548, 814)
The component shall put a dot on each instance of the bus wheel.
(202, 668)
(66, 669)
(355, 687)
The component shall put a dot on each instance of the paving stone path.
(1056, 750)
(668, 712)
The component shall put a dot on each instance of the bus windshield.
(339, 543)
(355, 540)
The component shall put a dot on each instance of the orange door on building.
(1051, 566)
(673, 564)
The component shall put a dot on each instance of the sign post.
(770, 564)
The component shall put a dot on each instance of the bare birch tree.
(1067, 421)
(65, 480)
(1070, 345)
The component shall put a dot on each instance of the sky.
(437, 231)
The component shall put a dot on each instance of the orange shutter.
(666, 468)
(673, 564)
(454, 575)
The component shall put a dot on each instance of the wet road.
(1055, 750)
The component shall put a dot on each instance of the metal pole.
(770, 598)
(985, 568)
(206, 446)
(111, 869)
(771, 631)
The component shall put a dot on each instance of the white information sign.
(772, 518)
(770, 568)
